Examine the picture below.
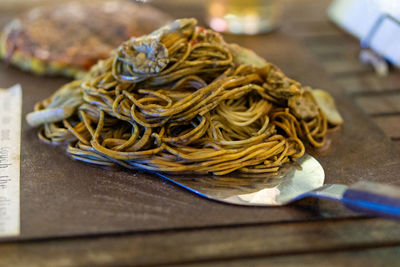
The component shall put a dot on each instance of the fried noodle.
(176, 101)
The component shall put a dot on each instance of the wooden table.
(149, 222)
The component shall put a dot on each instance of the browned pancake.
(69, 38)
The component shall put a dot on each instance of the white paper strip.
(10, 150)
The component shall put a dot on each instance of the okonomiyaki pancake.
(69, 38)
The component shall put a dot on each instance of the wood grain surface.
(208, 245)
(62, 197)
(77, 214)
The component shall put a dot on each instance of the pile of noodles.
(180, 100)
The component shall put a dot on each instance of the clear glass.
(244, 16)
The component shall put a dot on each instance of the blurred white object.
(380, 66)
(375, 22)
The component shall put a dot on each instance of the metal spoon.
(303, 178)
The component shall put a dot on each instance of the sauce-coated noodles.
(176, 101)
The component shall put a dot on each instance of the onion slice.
(327, 105)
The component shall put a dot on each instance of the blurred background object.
(376, 23)
(244, 17)
(68, 38)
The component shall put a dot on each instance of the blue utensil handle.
(378, 199)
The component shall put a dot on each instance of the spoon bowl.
(294, 181)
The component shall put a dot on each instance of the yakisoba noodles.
(181, 100)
